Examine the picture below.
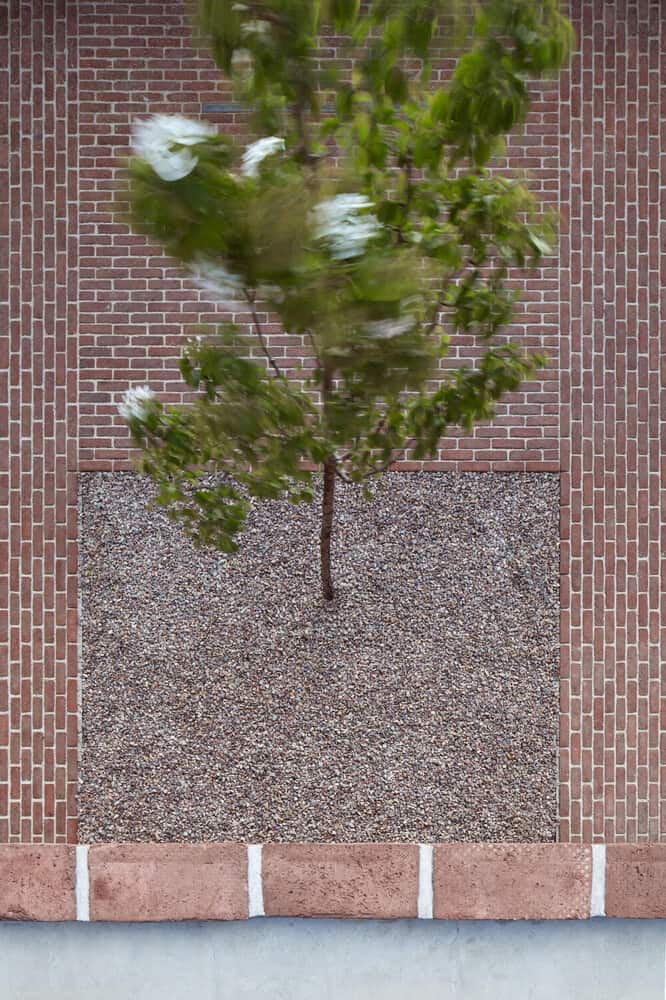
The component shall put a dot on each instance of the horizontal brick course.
(511, 881)
(168, 882)
(340, 880)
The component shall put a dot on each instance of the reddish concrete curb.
(636, 880)
(160, 882)
(340, 880)
(37, 883)
(512, 882)
(168, 882)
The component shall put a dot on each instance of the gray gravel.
(221, 701)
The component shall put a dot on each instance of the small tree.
(364, 218)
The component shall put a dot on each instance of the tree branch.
(378, 470)
(313, 347)
(262, 339)
(342, 475)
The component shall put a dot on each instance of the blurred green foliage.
(372, 218)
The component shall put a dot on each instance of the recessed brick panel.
(135, 304)
(168, 882)
(37, 883)
(340, 880)
(511, 882)
(636, 880)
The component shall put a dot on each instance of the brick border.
(230, 881)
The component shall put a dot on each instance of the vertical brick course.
(613, 178)
(38, 685)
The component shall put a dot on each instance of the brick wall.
(38, 420)
(613, 197)
(136, 59)
(83, 295)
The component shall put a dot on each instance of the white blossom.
(270, 292)
(242, 63)
(385, 329)
(227, 287)
(135, 402)
(257, 151)
(339, 223)
(223, 284)
(154, 140)
(256, 28)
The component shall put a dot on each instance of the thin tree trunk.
(326, 528)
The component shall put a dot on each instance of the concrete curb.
(230, 881)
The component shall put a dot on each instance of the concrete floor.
(280, 959)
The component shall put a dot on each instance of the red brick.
(36, 883)
(511, 881)
(340, 880)
(168, 882)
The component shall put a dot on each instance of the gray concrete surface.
(334, 960)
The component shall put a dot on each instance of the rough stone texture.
(340, 880)
(168, 882)
(37, 883)
(506, 882)
(222, 702)
(636, 880)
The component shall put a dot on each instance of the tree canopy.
(367, 217)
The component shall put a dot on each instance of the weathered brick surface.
(511, 881)
(168, 882)
(340, 880)
(36, 883)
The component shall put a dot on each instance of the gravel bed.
(221, 701)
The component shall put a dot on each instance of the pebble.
(221, 700)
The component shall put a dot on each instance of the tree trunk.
(326, 528)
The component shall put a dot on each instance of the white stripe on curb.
(425, 882)
(598, 894)
(82, 883)
(255, 890)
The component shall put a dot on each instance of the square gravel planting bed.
(222, 701)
